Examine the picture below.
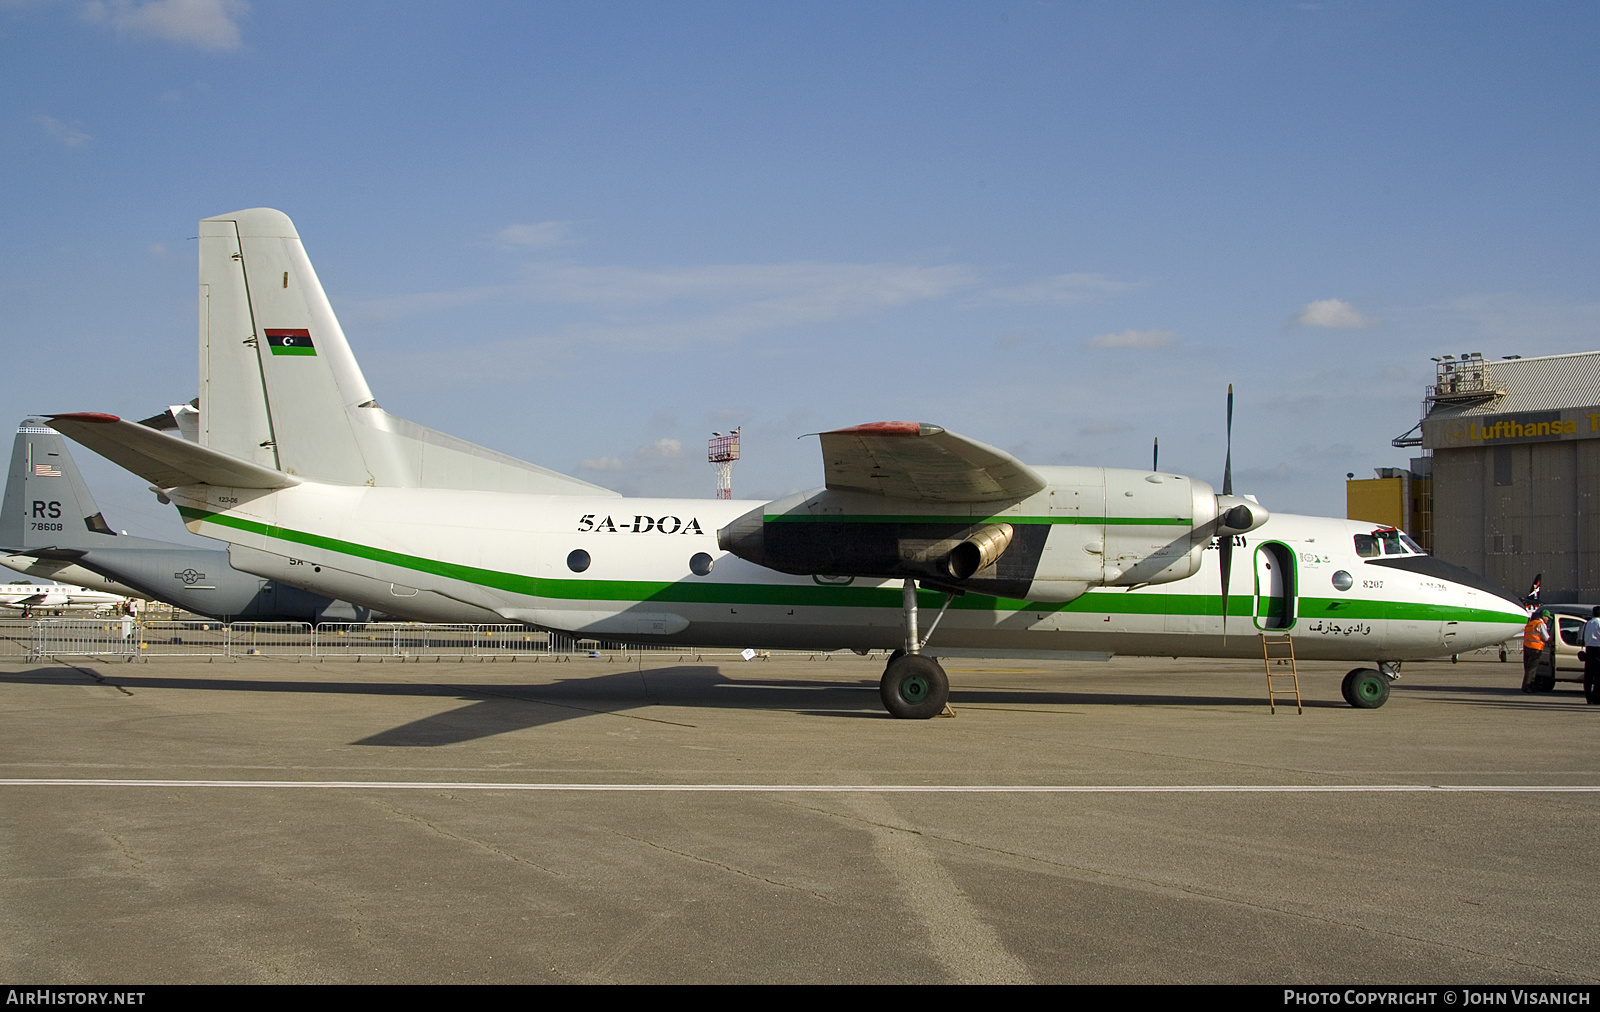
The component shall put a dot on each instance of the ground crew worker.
(1544, 674)
(1591, 658)
(1536, 638)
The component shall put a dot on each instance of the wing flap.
(162, 460)
(914, 460)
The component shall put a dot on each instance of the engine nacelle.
(1089, 527)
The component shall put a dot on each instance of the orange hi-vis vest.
(1533, 634)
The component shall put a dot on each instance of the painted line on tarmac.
(445, 785)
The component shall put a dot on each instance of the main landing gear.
(1368, 688)
(914, 687)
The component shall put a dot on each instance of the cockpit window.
(1386, 542)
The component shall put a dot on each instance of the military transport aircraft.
(49, 522)
(312, 483)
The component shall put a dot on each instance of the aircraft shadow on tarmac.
(501, 708)
(1506, 696)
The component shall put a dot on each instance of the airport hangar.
(1509, 483)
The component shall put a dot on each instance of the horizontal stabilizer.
(913, 460)
(162, 460)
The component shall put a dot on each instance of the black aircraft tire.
(1365, 688)
(1344, 686)
(914, 687)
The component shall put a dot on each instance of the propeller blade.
(1225, 540)
(1225, 563)
(1227, 466)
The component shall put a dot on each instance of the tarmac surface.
(449, 857)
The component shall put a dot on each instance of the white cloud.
(204, 24)
(1061, 290)
(661, 455)
(1503, 323)
(677, 307)
(1133, 339)
(399, 306)
(662, 449)
(808, 288)
(1334, 314)
(60, 132)
(539, 235)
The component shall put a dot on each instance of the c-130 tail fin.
(47, 505)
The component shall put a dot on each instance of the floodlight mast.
(722, 451)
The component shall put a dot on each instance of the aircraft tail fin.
(280, 388)
(46, 504)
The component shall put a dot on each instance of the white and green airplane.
(311, 483)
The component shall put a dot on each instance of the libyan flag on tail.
(290, 342)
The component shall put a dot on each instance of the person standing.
(1591, 658)
(1535, 638)
(1544, 676)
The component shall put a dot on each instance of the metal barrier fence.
(16, 638)
(131, 639)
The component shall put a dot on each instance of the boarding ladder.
(1280, 651)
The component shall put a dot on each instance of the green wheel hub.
(914, 689)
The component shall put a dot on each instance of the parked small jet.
(50, 524)
(56, 571)
(312, 483)
(53, 597)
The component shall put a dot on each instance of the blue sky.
(590, 233)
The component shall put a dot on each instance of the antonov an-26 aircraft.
(922, 541)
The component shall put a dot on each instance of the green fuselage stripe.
(1240, 602)
(898, 518)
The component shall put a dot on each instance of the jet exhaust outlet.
(978, 552)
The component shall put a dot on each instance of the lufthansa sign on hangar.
(1453, 432)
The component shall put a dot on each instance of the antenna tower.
(722, 452)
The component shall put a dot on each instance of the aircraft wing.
(914, 460)
(162, 460)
